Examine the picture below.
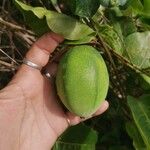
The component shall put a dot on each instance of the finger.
(74, 119)
(102, 108)
(42, 48)
(51, 68)
(50, 72)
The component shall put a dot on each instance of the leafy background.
(120, 31)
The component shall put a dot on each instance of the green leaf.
(42, 20)
(104, 3)
(107, 3)
(141, 7)
(78, 137)
(118, 2)
(111, 37)
(127, 26)
(144, 82)
(34, 17)
(38, 11)
(85, 40)
(146, 6)
(138, 49)
(135, 135)
(68, 27)
(137, 5)
(144, 23)
(83, 8)
(146, 78)
(140, 108)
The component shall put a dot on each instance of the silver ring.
(31, 64)
(48, 75)
(68, 121)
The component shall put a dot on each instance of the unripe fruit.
(82, 80)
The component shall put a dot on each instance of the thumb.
(42, 48)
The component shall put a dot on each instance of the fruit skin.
(82, 80)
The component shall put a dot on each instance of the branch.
(8, 56)
(28, 38)
(13, 26)
(7, 64)
(5, 70)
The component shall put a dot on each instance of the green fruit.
(82, 80)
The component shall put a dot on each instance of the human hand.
(31, 116)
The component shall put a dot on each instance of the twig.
(127, 63)
(121, 93)
(5, 46)
(29, 39)
(8, 56)
(13, 26)
(113, 66)
(5, 70)
(7, 64)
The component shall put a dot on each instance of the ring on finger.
(48, 75)
(68, 122)
(31, 64)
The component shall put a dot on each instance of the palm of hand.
(43, 115)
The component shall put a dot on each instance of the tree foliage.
(120, 30)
